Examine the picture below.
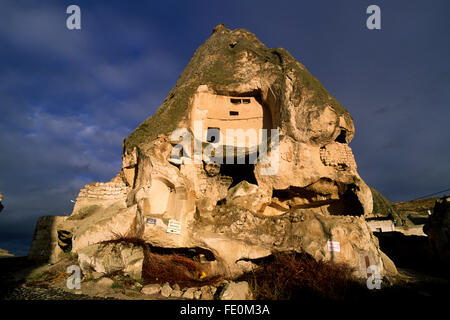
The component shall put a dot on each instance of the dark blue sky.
(68, 98)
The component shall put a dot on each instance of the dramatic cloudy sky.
(68, 98)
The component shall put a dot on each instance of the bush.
(297, 276)
(168, 267)
(174, 268)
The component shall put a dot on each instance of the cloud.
(68, 98)
(66, 107)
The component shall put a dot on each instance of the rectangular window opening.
(234, 113)
(235, 101)
(246, 101)
(213, 135)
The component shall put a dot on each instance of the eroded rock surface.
(301, 191)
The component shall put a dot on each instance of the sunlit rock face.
(248, 154)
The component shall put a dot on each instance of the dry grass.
(169, 267)
(297, 276)
(46, 278)
(118, 238)
(174, 268)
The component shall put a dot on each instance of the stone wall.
(381, 225)
(228, 113)
(104, 191)
(389, 226)
(338, 155)
(100, 194)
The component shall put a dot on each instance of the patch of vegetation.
(169, 267)
(132, 294)
(125, 239)
(310, 87)
(70, 257)
(419, 206)
(118, 285)
(297, 276)
(45, 278)
(38, 279)
(164, 120)
(182, 268)
(175, 268)
(383, 207)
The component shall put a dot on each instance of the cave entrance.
(342, 137)
(305, 197)
(348, 204)
(239, 172)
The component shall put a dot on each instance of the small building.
(381, 225)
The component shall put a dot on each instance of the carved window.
(213, 135)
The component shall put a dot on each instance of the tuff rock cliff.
(302, 192)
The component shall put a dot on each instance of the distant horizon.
(70, 97)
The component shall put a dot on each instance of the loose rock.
(151, 289)
(236, 291)
(166, 290)
(189, 293)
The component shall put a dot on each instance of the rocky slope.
(383, 208)
(415, 211)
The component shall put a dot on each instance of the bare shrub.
(296, 276)
(174, 268)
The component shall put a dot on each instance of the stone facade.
(103, 191)
(381, 225)
(218, 113)
(338, 155)
(100, 194)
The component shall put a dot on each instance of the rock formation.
(414, 212)
(398, 217)
(438, 230)
(186, 183)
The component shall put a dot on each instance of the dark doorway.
(239, 172)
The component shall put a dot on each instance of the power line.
(432, 194)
